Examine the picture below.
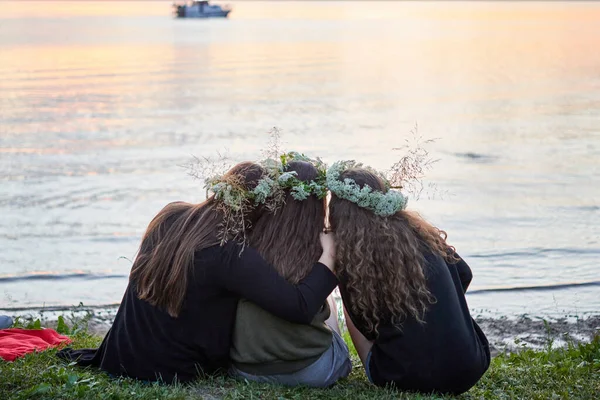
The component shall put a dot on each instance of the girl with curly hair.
(403, 289)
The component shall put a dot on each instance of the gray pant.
(334, 364)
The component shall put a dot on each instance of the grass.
(572, 372)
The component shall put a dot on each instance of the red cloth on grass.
(15, 342)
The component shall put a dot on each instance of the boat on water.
(200, 9)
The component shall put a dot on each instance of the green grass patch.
(572, 372)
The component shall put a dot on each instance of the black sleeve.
(464, 273)
(250, 276)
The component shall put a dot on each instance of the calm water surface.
(101, 102)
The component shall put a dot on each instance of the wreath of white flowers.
(236, 202)
(382, 204)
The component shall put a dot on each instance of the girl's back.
(446, 353)
(270, 349)
(147, 343)
(264, 344)
(176, 318)
(403, 289)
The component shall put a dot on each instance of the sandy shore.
(504, 333)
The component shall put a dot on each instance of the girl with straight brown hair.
(270, 349)
(176, 318)
(403, 289)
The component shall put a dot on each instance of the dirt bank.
(504, 334)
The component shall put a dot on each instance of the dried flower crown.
(236, 201)
(277, 179)
(382, 204)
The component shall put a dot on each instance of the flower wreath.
(300, 190)
(236, 202)
(382, 204)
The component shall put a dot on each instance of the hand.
(328, 244)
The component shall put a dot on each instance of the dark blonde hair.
(166, 255)
(289, 237)
(381, 259)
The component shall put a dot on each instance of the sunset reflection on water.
(103, 101)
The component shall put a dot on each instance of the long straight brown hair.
(289, 238)
(166, 256)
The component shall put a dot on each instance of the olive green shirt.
(264, 344)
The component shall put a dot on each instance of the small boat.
(200, 9)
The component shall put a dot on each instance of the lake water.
(100, 104)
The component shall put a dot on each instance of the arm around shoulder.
(251, 277)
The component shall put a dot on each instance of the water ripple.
(535, 287)
(533, 252)
(49, 276)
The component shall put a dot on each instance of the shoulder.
(433, 261)
(437, 272)
(208, 255)
(432, 257)
(230, 253)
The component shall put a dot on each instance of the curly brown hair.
(381, 259)
(289, 237)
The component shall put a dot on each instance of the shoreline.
(505, 334)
